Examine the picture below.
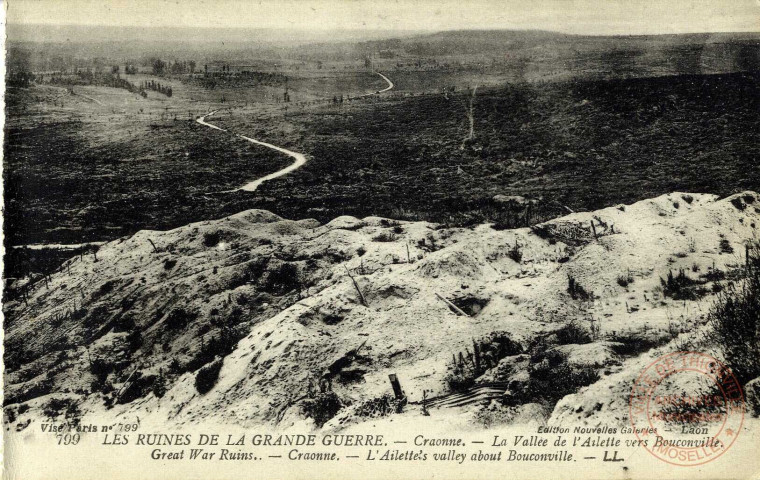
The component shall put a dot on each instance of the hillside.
(268, 303)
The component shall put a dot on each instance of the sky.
(596, 17)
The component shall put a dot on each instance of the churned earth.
(233, 321)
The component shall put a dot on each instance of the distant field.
(582, 144)
(79, 171)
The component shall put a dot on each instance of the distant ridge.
(97, 33)
(94, 33)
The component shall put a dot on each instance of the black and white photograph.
(412, 239)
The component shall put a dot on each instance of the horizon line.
(378, 29)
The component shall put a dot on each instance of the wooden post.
(527, 215)
(409, 258)
(593, 229)
(471, 357)
(746, 259)
(424, 404)
(397, 391)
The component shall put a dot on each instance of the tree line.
(156, 87)
(88, 77)
(160, 67)
(21, 79)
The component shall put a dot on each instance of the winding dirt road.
(390, 84)
(300, 158)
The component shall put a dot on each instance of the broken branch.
(359, 290)
(458, 310)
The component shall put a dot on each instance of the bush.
(322, 407)
(79, 313)
(576, 290)
(515, 253)
(625, 280)
(487, 353)
(682, 287)
(388, 223)
(551, 378)
(67, 406)
(714, 275)
(725, 246)
(735, 319)
(36, 389)
(283, 279)
(134, 340)
(460, 380)
(559, 381)
(699, 411)
(207, 376)
(211, 239)
(218, 346)
(159, 385)
(95, 317)
(250, 272)
(175, 367)
(179, 318)
(124, 323)
(101, 368)
(572, 333)
(630, 343)
(106, 288)
(384, 237)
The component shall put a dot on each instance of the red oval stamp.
(687, 408)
